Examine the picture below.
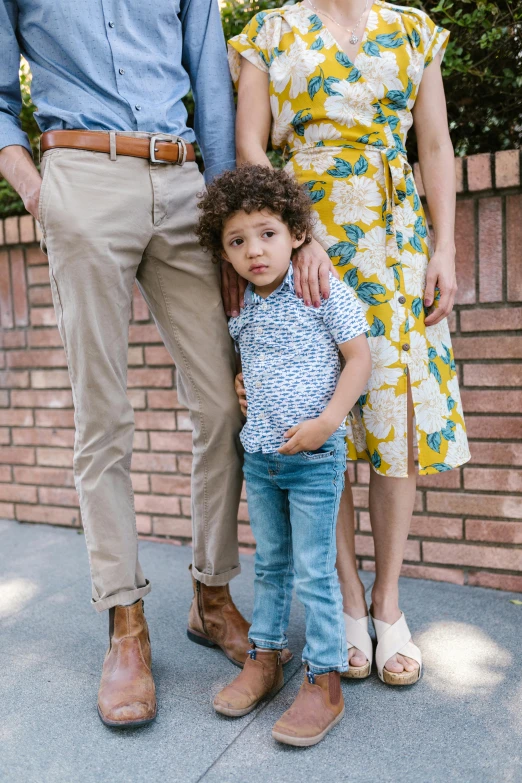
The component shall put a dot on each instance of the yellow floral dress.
(342, 126)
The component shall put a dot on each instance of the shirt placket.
(121, 75)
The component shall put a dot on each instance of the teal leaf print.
(362, 399)
(299, 120)
(377, 329)
(371, 49)
(393, 121)
(391, 153)
(314, 85)
(376, 460)
(416, 243)
(389, 222)
(361, 166)
(434, 370)
(368, 291)
(399, 239)
(447, 433)
(440, 467)
(453, 366)
(410, 187)
(397, 100)
(420, 228)
(415, 38)
(451, 403)
(259, 19)
(396, 274)
(342, 168)
(316, 23)
(354, 76)
(317, 44)
(434, 441)
(416, 203)
(366, 138)
(398, 142)
(327, 85)
(351, 278)
(406, 327)
(353, 232)
(389, 40)
(446, 356)
(432, 353)
(343, 60)
(317, 195)
(416, 307)
(401, 194)
(344, 250)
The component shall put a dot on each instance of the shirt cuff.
(218, 168)
(13, 136)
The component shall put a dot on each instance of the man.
(118, 204)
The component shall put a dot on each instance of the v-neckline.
(311, 12)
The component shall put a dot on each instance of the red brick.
(42, 437)
(364, 546)
(161, 420)
(453, 575)
(459, 174)
(60, 458)
(41, 399)
(465, 251)
(15, 339)
(488, 347)
(149, 377)
(491, 530)
(185, 465)
(363, 472)
(43, 316)
(183, 421)
(170, 526)
(7, 510)
(450, 479)
(141, 441)
(170, 485)
(245, 534)
(157, 504)
(140, 311)
(143, 524)
(163, 400)
(476, 505)
(6, 304)
(21, 313)
(136, 398)
(490, 250)
(38, 358)
(492, 318)
(135, 356)
(496, 453)
(507, 168)
(157, 355)
(157, 463)
(171, 441)
(41, 295)
(6, 473)
(144, 333)
(491, 401)
(57, 477)
(473, 555)
(5, 436)
(494, 427)
(14, 380)
(38, 275)
(186, 507)
(2, 359)
(493, 374)
(140, 482)
(45, 338)
(54, 418)
(507, 582)
(26, 226)
(436, 527)
(513, 245)
(17, 493)
(16, 418)
(479, 171)
(58, 496)
(4, 399)
(360, 497)
(242, 513)
(50, 379)
(11, 233)
(49, 514)
(493, 479)
(13, 455)
(34, 256)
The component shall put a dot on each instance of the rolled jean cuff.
(215, 580)
(263, 644)
(326, 669)
(126, 597)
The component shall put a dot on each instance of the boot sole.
(230, 713)
(129, 724)
(204, 641)
(305, 742)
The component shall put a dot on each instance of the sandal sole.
(357, 672)
(389, 678)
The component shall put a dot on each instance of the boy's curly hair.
(251, 189)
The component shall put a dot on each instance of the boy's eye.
(236, 242)
(269, 234)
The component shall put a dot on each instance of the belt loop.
(112, 145)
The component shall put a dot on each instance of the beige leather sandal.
(357, 636)
(392, 640)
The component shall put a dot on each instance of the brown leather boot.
(262, 674)
(317, 708)
(127, 696)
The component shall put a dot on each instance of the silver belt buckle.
(182, 148)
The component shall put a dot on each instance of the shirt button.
(138, 108)
(111, 24)
(259, 330)
(121, 71)
(402, 299)
(262, 357)
(406, 347)
(258, 385)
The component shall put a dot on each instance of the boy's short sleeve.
(342, 313)
(253, 44)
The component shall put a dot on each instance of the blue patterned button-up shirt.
(290, 358)
(115, 65)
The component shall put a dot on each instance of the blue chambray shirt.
(119, 65)
(290, 358)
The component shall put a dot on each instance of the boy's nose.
(254, 250)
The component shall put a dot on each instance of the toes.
(409, 664)
(357, 658)
(393, 665)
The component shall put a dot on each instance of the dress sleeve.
(250, 45)
(434, 39)
(342, 313)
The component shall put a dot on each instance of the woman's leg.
(391, 507)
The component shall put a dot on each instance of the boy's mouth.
(258, 269)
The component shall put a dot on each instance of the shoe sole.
(357, 672)
(230, 713)
(306, 742)
(204, 641)
(129, 724)
(404, 678)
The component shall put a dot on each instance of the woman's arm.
(437, 165)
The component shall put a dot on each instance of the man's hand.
(441, 275)
(232, 289)
(307, 436)
(17, 166)
(312, 267)
(241, 393)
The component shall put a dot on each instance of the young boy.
(295, 455)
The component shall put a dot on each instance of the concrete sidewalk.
(462, 722)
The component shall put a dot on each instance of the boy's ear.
(298, 242)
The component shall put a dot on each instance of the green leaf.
(440, 467)
(343, 60)
(353, 232)
(416, 243)
(345, 251)
(416, 307)
(361, 166)
(316, 23)
(368, 291)
(434, 441)
(434, 370)
(343, 168)
(314, 85)
(351, 278)
(371, 49)
(376, 460)
(317, 44)
(389, 40)
(328, 85)
(377, 329)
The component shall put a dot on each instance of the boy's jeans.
(293, 503)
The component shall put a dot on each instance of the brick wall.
(467, 525)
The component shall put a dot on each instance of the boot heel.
(199, 639)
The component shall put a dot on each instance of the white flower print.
(414, 270)
(374, 159)
(380, 73)
(293, 66)
(371, 257)
(358, 431)
(281, 121)
(234, 64)
(458, 449)
(417, 356)
(353, 106)
(416, 67)
(454, 393)
(384, 355)
(270, 33)
(299, 17)
(438, 336)
(319, 159)
(373, 21)
(390, 16)
(386, 410)
(398, 319)
(353, 198)
(406, 121)
(431, 410)
(395, 453)
(321, 234)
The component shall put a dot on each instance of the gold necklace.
(353, 37)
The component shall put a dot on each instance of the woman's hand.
(312, 267)
(232, 289)
(241, 393)
(441, 275)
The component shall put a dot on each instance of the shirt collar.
(252, 298)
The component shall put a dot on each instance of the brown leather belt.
(158, 148)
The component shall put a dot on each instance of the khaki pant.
(107, 223)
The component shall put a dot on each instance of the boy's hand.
(307, 436)
(241, 392)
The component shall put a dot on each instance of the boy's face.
(259, 247)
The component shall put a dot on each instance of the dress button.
(406, 347)
(138, 108)
(402, 299)
(111, 24)
(121, 71)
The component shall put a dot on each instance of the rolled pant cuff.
(126, 597)
(326, 669)
(215, 580)
(263, 644)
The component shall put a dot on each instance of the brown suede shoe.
(127, 696)
(214, 621)
(317, 708)
(262, 674)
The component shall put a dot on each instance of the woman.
(338, 84)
